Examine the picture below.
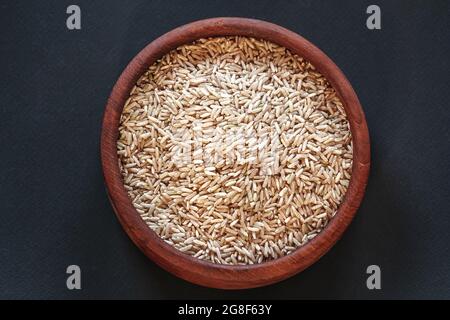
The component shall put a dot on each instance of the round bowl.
(203, 272)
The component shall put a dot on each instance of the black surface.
(54, 84)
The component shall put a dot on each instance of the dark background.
(54, 83)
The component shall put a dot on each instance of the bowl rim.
(203, 272)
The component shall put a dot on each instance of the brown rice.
(234, 150)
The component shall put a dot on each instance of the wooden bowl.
(203, 272)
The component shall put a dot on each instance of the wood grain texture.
(203, 272)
